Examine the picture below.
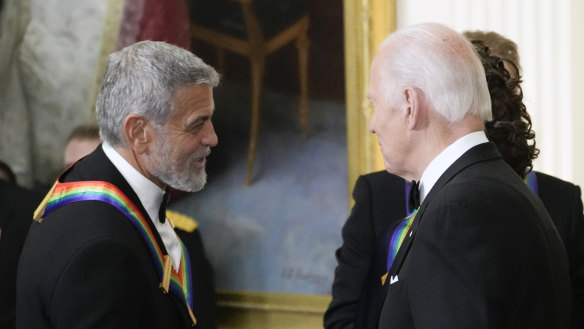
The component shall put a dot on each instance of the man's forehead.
(196, 91)
(374, 79)
(194, 97)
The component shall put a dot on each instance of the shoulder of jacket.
(181, 221)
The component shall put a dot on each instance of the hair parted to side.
(510, 128)
(443, 64)
(141, 79)
(499, 46)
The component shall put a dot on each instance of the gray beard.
(176, 173)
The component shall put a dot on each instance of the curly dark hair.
(510, 128)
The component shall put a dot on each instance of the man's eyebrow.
(197, 122)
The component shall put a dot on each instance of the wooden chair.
(255, 29)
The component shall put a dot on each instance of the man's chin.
(193, 185)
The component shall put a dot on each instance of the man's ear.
(138, 132)
(413, 112)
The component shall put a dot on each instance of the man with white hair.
(480, 251)
(101, 253)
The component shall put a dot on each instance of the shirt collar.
(446, 158)
(148, 192)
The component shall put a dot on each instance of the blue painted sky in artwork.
(279, 234)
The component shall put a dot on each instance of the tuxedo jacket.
(482, 252)
(86, 266)
(380, 201)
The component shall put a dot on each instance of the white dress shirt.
(446, 158)
(151, 197)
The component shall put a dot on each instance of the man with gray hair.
(480, 250)
(101, 253)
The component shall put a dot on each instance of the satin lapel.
(97, 166)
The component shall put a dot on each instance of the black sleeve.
(576, 256)
(16, 211)
(354, 258)
(102, 286)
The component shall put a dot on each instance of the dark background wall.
(327, 78)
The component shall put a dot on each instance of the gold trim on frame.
(245, 309)
(367, 23)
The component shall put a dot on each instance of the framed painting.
(272, 243)
(271, 231)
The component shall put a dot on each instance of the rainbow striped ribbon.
(531, 181)
(398, 236)
(180, 282)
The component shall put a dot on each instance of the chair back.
(247, 19)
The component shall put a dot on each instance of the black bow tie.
(162, 210)
(414, 199)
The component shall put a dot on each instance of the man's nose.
(210, 137)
